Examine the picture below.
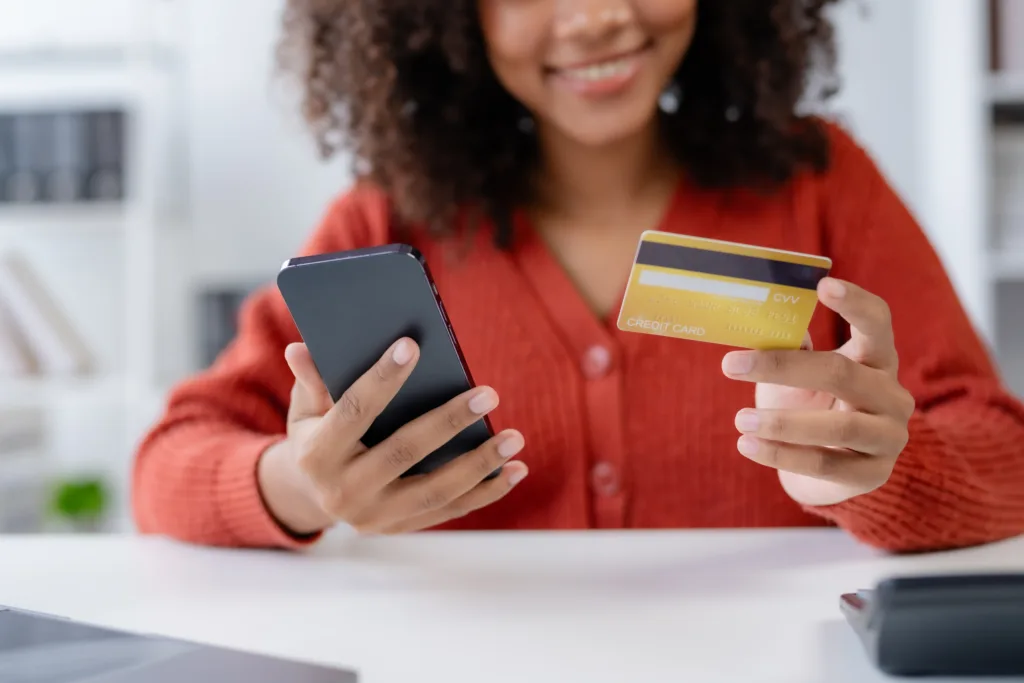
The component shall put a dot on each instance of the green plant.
(80, 500)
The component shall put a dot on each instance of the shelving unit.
(99, 260)
(48, 391)
(218, 162)
(53, 221)
(1005, 119)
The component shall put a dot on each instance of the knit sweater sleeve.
(960, 480)
(194, 476)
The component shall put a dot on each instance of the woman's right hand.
(321, 474)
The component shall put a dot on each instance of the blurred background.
(153, 170)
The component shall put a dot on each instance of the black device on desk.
(949, 625)
(351, 306)
(40, 648)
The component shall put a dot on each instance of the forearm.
(959, 482)
(197, 482)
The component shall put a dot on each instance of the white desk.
(587, 608)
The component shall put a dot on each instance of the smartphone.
(351, 306)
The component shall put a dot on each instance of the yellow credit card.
(721, 292)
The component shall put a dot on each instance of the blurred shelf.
(86, 27)
(88, 56)
(99, 217)
(1006, 89)
(120, 77)
(50, 390)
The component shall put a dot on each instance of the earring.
(671, 98)
(732, 113)
(526, 124)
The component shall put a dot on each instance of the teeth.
(599, 72)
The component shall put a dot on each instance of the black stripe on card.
(730, 265)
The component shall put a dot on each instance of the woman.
(523, 147)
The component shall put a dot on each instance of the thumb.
(310, 397)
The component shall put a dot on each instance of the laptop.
(38, 648)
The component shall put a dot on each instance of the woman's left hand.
(832, 423)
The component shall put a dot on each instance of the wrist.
(287, 493)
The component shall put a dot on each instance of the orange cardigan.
(627, 430)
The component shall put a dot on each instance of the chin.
(605, 131)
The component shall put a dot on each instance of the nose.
(591, 18)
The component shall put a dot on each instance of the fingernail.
(835, 288)
(738, 363)
(484, 402)
(510, 446)
(402, 353)
(747, 421)
(747, 445)
(517, 476)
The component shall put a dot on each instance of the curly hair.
(406, 87)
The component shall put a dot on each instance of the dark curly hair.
(406, 87)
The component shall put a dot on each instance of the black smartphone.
(351, 306)
(942, 625)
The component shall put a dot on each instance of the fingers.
(865, 434)
(348, 419)
(422, 495)
(310, 397)
(862, 472)
(478, 497)
(866, 388)
(455, 489)
(387, 461)
(870, 321)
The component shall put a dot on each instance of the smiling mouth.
(602, 77)
(601, 71)
(595, 68)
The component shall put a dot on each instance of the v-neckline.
(556, 290)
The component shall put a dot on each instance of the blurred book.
(1008, 185)
(6, 154)
(23, 505)
(106, 155)
(62, 156)
(30, 150)
(65, 182)
(16, 357)
(48, 333)
(218, 319)
(1008, 38)
(23, 471)
(22, 430)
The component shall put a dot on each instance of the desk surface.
(594, 607)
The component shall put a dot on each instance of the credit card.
(721, 292)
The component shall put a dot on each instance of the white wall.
(913, 74)
(256, 187)
(953, 134)
(879, 86)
